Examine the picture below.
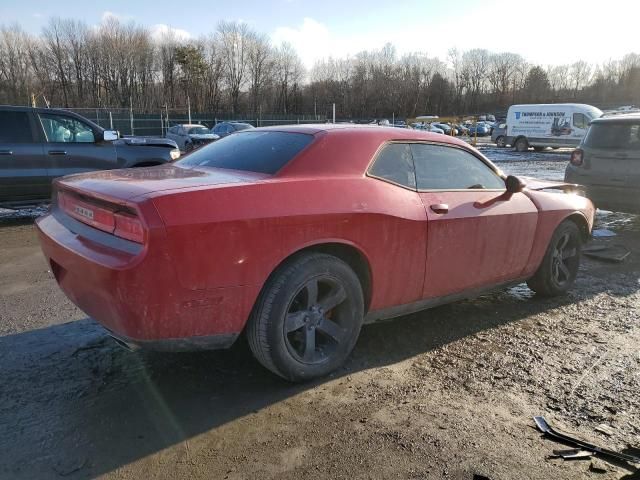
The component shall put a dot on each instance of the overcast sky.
(543, 31)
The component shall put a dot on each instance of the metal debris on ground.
(545, 428)
(610, 253)
(572, 454)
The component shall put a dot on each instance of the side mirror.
(109, 135)
(513, 184)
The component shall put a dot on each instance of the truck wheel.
(521, 145)
(559, 268)
(307, 318)
(501, 142)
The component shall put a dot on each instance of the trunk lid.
(126, 184)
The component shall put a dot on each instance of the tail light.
(129, 227)
(109, 218)
(577, 157)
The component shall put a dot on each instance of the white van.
(547, 125)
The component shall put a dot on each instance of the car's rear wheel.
(501, 142)
(559, 268)
(521, 145)
(307, 318)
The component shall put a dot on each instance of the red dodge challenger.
(299, 235)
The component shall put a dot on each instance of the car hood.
(148, 142)
(204, 136)
(126, 184)
(536, 184)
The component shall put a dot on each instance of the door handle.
(6, 152)
(57, 152)
(440, 208)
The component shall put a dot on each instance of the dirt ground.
(446, 393)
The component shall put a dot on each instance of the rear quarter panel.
(238, 235)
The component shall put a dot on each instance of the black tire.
(559, 268)
(501, 142)
(521, 145)
(538, 149)
(188, 146)
(301, 332)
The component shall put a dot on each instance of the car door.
(477, 234)
(72, 147)
(172, 134)
(23, 166)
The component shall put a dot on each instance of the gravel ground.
(445, 393)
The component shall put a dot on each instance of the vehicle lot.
(443, 393)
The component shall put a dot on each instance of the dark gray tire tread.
(276, 291)
(541, 282)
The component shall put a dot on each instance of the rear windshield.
(251, 151)
(615, 136)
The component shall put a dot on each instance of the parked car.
(607, 163)
(190, 136)
(393, 221)
(548, 125)
(499, 135)
(40, 144)
(223, 129)
(446, 129)
(462, 130)
(479, 130)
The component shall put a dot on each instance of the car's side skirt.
(406, 309)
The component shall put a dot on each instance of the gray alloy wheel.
(559, 268)
(501, 142)
(308, 317)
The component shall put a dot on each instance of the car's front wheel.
(559, 268)
(307, 318)
(521, 145)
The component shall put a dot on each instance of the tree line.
(237, 70)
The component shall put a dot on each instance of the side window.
(580, 120)
(395, 164)
(448, 168)
(15, 127)
(62, 129)
(173, 131)
(218, 128)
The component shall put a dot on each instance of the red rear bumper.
(132, 290)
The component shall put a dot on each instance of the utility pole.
(131, 113)
(189, 109)
(334, 113)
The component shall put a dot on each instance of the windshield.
(615, 136)
(199, 131)
(252, 151)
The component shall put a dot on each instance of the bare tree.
(259, 63)
(234, 39)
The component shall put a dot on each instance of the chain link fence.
(145, 124)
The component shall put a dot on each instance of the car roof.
(191, 125)
(61, 111)
(632, 118)
(347, 148)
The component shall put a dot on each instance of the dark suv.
(607, 163)
(40, 144)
